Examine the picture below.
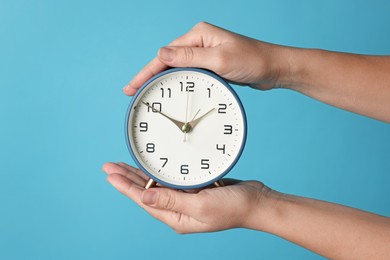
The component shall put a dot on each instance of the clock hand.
(193, 122)
(179, 124)
(188, 97)
(185, 128)
(197, 112)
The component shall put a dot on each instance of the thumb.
(168, 199)
(187, 57)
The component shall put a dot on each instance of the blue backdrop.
(62, 67)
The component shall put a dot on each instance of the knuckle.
(201, 25)
(221, 60)
(187, 54)
(202, 208)
(179, 230)
(181, 226)
(177, 224)
(169, 202)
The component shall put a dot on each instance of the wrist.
(292, 67)
(270, 66)
(264, 210)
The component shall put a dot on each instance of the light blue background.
(62, 67)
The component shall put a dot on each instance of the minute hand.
(194, 122)
(176, 122)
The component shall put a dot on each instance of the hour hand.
(179, 124)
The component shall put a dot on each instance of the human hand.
(236, 58)
(238, 204)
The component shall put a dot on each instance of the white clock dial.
(186, 128)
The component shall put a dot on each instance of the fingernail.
(149, 197)
(165, 54)
(125, 87)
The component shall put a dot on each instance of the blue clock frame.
(150, 175)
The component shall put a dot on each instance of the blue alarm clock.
(185, 128)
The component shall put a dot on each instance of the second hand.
(185, 133)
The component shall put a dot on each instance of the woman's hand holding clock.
(234, 57)
(319, 226)
(203, 211)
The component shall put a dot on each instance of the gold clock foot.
(219, 183)
(150, 184)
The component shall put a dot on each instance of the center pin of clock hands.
(191, 125)
(187, 127)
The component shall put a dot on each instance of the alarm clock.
(185, 128)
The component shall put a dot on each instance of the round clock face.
(185, 128)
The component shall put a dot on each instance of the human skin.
(358, 83)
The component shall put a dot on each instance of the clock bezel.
(145, 85)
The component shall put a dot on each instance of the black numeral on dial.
(184, 169)
(221, 148)
(205, 164)
(187, 86)
(155, 107)
(222, 108)
(150, 147)
(165, 161)
(228, 130)
(143, 126)
(166, 92)
(209, 92)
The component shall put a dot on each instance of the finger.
(175, 56)
(126, 187)
(129, 168)
(192, 38)
(151, 69)
(134, 192)
(113, 168)
(177, 209)
(134, 170)
(179, 222)
(172, 200)
(202, 35)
